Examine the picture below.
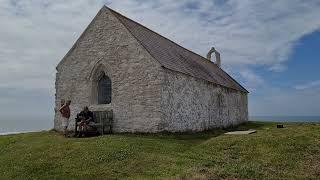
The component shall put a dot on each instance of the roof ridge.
(112, 11)
(203, 59)
(77, 40)
(160, 35)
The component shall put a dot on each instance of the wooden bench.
(103, 123)
(103, 120)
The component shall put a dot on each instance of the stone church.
(151, 83)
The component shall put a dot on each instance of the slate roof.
(177, 58)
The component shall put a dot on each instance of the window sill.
(100, 107)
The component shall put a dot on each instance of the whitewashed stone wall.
(136, 93)
(191, 104)
(145, 96)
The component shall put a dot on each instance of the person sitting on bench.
(86, 121)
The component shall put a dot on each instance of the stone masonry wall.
(191, 104)
(107, 46)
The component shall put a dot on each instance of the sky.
(272, 47)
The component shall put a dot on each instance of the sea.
(9, 125)
(286, 118)
(34, 124)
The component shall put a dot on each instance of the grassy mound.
(271, 153)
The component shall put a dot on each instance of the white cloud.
(35, 35)
(308, 85)
(250, 32)
(252, 81)
(278, 68)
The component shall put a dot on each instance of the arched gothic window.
(104, 90)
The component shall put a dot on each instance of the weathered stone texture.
(107, 46)
(146, 97)
(191, 104)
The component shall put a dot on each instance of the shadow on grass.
(198, 136)
(251, 125)
(193, 137)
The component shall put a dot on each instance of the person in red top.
(65, 113)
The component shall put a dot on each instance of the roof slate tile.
(177, 58)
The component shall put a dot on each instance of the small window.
(104, 90)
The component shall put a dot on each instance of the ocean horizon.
(17, 125)
(285, 118)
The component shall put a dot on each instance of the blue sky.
(302, 64)
(271, 47)
(296, 86)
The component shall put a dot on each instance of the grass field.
(289, 153)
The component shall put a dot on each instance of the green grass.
(271, 153)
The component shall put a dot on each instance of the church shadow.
(250, 125)
(198, 137)
(194, 137)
